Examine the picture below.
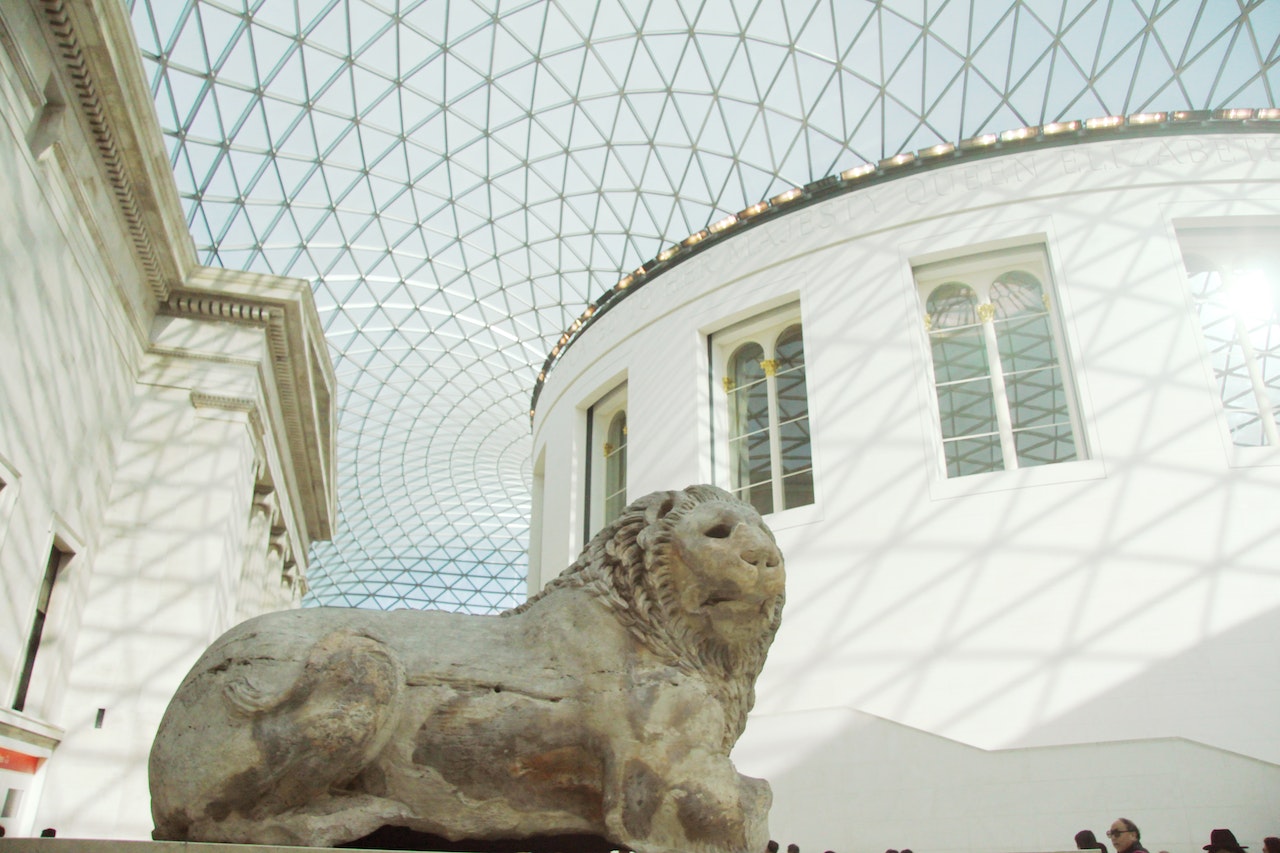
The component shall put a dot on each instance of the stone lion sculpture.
(605, 706)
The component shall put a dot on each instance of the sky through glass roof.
(459, 178)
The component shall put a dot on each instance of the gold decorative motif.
(608, 449)
(729, 385)
(1044, 297)
(986, 312)
(769, 366)
(928, 322)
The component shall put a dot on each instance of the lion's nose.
(757, 549)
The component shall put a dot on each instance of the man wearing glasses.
(1125, 836)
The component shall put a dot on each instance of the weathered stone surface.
(606, 706)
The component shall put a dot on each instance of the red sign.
(18, 762)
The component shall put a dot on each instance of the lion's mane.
(626, 565)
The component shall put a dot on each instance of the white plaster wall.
(135, 444)
(163, 588)
(67, 357)
(1128, 598)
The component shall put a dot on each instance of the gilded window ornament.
(729, 384)
(769, 366)
(986, 312)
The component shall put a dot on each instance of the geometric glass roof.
(459, 179)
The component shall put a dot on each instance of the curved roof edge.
(1055, 134)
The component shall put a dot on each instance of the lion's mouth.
(713, 600)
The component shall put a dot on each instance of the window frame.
(763, 326)
(977, 249)
(599, 416)
(1193, 236)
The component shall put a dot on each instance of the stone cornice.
(102, 73)
(300, 367)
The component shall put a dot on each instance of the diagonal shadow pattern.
(458, 179)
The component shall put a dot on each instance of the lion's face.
(725, 568)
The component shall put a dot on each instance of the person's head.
(771, 847)
(793, 848)
(1223, 841)
(1124, 834)
(1271, 844)
(1086, 840)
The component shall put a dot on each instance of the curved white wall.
(1044, 649)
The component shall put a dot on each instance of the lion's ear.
(660, 503)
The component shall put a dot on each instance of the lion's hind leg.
(304, 743)
(336, 719)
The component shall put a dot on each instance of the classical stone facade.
(166, 429)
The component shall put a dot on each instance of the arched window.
(615, 467)
(1003, 398)
(770, 458)
(606, 462)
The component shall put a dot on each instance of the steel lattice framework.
(459, 179)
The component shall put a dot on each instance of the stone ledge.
(88, 845)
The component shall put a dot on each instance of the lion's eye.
(719, 531)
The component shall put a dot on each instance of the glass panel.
(751, 459)
(1245, 427)
(973, 455)
(797, 490)
(749, 398)
(1025, 343)
(744, 366)
(796, 454)
(793, 398)
(1037, 398)
(749, 409)
(966, 408)
(615, 468)
(760, 497)
(959, 354)
(1238, 399)
(1017, 294)
(1044, 446)
(789, 351)
(952, 306)
(614, 505)
(1218, 323)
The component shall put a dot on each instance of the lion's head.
(697, 577)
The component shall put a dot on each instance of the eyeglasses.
(1112, 833)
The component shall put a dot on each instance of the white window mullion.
(999, 391)
(770, 368)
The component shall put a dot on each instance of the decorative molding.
(85, 85)
(986, 312)
(201, 400)
(216, 309)
(303, 379)
(769, 366)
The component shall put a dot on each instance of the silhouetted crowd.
(1126, 837)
